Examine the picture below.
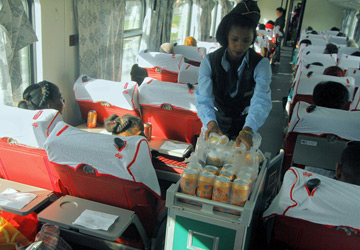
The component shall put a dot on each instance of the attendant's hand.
(245, 136)
(212, 127)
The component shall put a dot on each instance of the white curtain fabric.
(357, 29)
(348, 17)
(15, 33)
(157, 24)
(101, 28)
(226, 6)
(205, 23)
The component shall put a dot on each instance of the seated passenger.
(330, 95)
(138, 74)
(356, 53)
(190, 41)
(331, 49)
(168, 48)
(348, 169)
(126, 125)
(42, 95)
(334, 71)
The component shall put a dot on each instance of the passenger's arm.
(205, 98)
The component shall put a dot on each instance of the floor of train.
(272, 131)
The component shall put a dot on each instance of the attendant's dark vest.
(229, 109)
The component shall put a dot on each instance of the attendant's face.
(278, 13)
(240, 40)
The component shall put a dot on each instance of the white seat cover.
(337, 40)
(347, 62)
(355, 73)
(346, 51)
(192, 53)
(28, 127)
(326, 60)
(333, 203)
(209, 46)
(119, 94)
(303, 71)
(188, 74)
(306, 85)
(330, 32)
(169, 62)
(355, 104)
(321, 121)
(73, 147)
(156, 93)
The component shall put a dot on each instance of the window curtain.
(101, 28)
(347, 18)
(357, 29)
(205, 23)
(226, 6)
(157, 24)
(16, 33)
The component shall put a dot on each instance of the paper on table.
(95, 220)
(174, 147)
(14, 199)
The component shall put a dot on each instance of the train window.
(180, 21)
(134, 13)
(134, 16)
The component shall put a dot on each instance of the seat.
(171, 110)
(306, 219)
(304, 87)
(325, 125)
(106, 97)
(109, 169)
(347, 61)
(346, 51)
(188, 74)
(161, 66)
(355, 73)
(194, 55)
(26, 161)
(355, 104)
(209, 46)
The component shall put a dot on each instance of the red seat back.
(291, 233)
(29, 166)
(112, 191)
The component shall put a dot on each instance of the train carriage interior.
(179, 124)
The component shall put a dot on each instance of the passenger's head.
(269, 25)
(126, 125)
(314, 32)
(331, 49)
(309, 28)
(335, 29)
(138, 74)
(279, 12)
(261, 26)
(348, 169)
(190, 41)
(42, 95)
(330, 95)
(305, 41)
(341, 34)
(237, 30)
(352, 43)
(334, 71)
(168, 48)
(356, 53)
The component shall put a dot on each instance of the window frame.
(136, 32)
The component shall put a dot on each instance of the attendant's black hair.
(40, 96)
(117, 125)
(350, 163)
(331, 49)
(281, 10)
(330, 95)
(356, 53)
(233, 20)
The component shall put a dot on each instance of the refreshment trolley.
(197, 224)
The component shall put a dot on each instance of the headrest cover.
(248, 9)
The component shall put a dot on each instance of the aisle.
(272, 130)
